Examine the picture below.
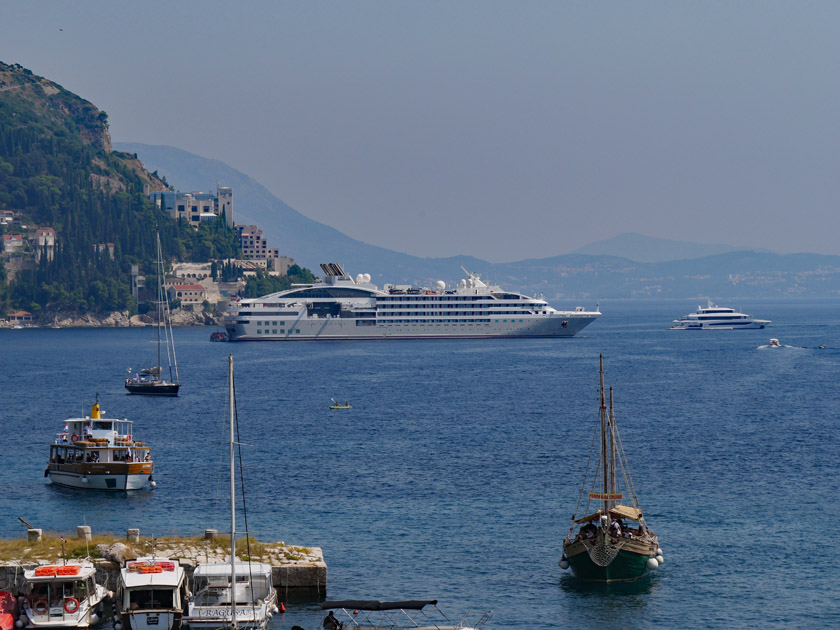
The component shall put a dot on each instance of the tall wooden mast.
(604, 463)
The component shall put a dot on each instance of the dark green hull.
(625, 566)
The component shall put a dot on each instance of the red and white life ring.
(128, 437)
(74, 438)
(71, 605)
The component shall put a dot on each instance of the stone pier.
(299, 573)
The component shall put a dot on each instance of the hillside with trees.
(59, 172)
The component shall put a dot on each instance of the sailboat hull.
(153, 389)
(629, 563)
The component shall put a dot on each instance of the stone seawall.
(297, 572)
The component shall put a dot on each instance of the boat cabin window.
(54, 593)
(104, 426)
(150, 599)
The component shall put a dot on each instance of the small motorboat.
(63, 596)
(337, 405)
(218, 335)
(774, 343)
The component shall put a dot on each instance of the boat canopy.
(618, 511)
(372, 604)
(591, 517)
(625, 511)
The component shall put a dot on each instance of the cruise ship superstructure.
(339, 307)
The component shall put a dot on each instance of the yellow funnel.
(94, 411)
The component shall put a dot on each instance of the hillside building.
(44, 244)
(196, 207)
(187, 293)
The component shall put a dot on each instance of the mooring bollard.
(83, 532)
(210, 534)
(34, 535)
(132, 535)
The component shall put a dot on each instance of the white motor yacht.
(713, 317)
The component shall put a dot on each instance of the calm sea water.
(456, 472)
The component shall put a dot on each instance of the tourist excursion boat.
(151, 595)
(151, 381)
(339, 307)
(62, 596)
(607, 548)
(99, 453)
(235, 593)
(363, 614)
(714, 317)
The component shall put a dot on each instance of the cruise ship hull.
(305, 329)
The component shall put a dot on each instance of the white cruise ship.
(339, 307)
(714, 317)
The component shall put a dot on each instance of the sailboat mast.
(612, 448)
(604, 438)
(159, 298)
(232, 500)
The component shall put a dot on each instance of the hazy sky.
(503, 130)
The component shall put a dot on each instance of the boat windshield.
(150, 599)
(215, 590)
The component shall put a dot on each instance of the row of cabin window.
(274, 331)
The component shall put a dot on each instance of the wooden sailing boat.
(613, 543)
(150, 381)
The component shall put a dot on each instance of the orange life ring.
(40, 607)
(71, 605)
(74, 438)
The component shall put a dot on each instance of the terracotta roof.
(188, 287)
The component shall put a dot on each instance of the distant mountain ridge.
(642, 248)
(578, 276)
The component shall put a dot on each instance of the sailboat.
(236, 594)
(606, 547)
(150, 381)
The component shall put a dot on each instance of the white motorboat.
(713, 317)
(151, 595)
(774, 343)
(399, 615)
(211, 605)
(339, 307)
(97, 453)
(234, 594)
(62, 596)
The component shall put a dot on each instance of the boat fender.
(94, 619)
(71, 605)
(118, 626)
(19, 623)
(659, 551)
(564, 564)
(40, 606)
(652, 564)
(660, 560)
(74, 438)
